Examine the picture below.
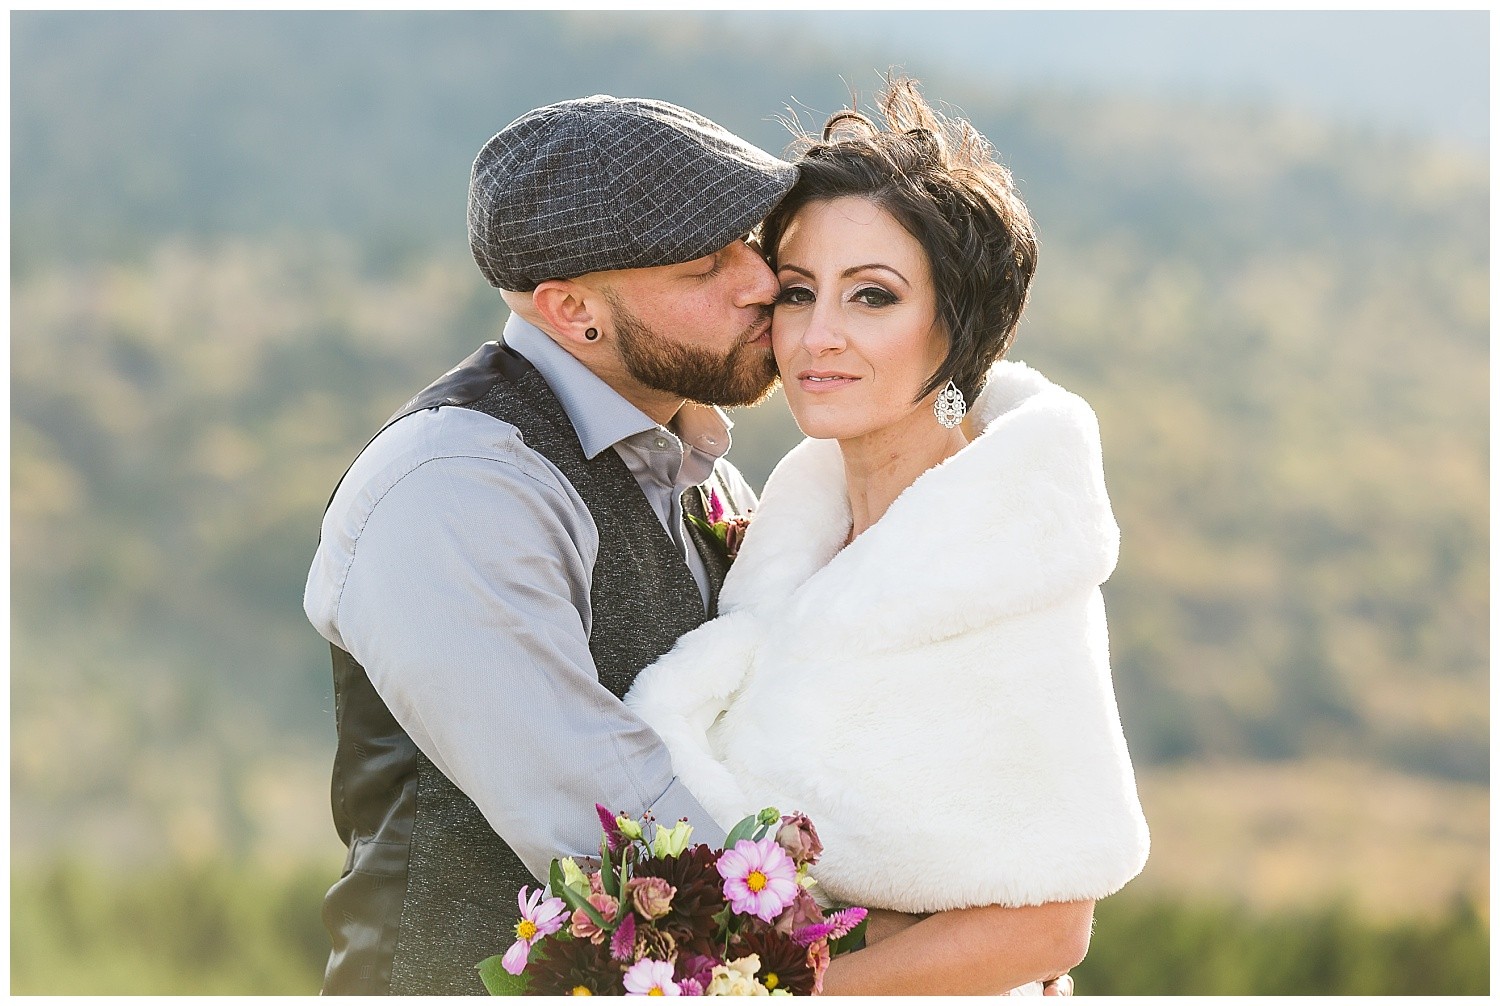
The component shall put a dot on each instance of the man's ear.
(568, 308)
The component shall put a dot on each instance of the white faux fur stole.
(936, 696)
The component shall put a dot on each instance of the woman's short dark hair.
(941, 181)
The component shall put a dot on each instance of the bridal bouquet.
(660, 917)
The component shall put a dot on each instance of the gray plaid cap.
(613, 183)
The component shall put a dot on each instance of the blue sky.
(1425, 73)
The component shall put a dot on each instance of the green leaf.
(723, 917)
(607, 873)
(499, 981)
(625, 862)
(742, 830)
(565, 875)
(577, 901)
(717, 532)
(854, 939)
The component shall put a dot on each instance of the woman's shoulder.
(1016, 393)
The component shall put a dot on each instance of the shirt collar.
(600, 415)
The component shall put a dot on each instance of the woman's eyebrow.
(876, 265)
(847, 272)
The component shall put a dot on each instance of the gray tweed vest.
(429, 890)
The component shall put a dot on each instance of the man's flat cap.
(613, 183)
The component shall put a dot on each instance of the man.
(511, 549)
(493, 573)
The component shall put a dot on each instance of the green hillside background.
(237, 243)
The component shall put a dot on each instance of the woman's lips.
(816, 381)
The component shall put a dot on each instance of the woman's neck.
(878, 466)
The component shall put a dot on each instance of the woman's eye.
(874, 296)
(795, 295)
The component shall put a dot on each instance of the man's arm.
(466, 601)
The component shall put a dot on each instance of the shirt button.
(661, 443)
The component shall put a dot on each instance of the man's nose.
(757, 283)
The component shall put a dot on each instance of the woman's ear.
(567, 308)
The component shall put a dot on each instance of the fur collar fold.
(1014, 520)
(935, 696)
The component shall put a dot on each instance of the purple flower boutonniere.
(728, 531)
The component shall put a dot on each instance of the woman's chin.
(819, 425)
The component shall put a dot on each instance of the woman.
(911, 648)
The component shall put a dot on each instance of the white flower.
(737, 978)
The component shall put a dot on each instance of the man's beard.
(744, 376)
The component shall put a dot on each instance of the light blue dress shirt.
(455, 565)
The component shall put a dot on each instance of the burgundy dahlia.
(699, 897)
(783, 964)
(561, 967)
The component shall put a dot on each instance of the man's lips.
(759, 335)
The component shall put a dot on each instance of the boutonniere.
(727, 531)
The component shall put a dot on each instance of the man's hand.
(1062, 985)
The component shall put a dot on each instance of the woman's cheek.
(783, 336)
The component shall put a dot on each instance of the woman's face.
(856, 333)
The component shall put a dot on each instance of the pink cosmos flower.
(650, 978)
(538, 918)
(760, 879)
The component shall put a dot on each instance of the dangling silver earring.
(950, 406)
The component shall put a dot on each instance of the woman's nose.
(823, 332)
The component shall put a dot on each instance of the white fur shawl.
(937, 695)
